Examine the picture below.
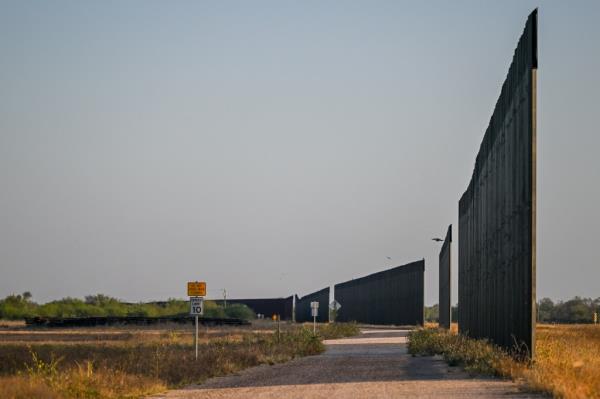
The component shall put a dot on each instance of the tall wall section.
(303, 306)
(445, 293)
(394, 296)
(497, 214)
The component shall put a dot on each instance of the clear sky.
(273, 148)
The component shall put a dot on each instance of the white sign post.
(335, 306)
(314, 311)
(196, 309)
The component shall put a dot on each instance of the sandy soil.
(18, 333)
(373, 365)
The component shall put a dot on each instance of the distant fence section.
(394, 296)
(267, 306)
(303, 306)
(497, 214)
(128, 320)
(445, 287)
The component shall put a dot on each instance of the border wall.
(303, 306)
(394, 296)
(445, 282)
(497, 214)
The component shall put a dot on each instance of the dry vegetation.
(133, 362)
(567, 363)
(12, 323)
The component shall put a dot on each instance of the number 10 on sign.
(196, 306)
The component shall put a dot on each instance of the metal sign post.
(196, 309)
(314, 311)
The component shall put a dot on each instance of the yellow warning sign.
(196, 288)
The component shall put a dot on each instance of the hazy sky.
(273, 148)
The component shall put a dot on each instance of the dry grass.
(131, 362)
(334, 330)
(11, 323)
(453, 326)
(568, 360)
(567, 363)
(78, 383)
(118, 335)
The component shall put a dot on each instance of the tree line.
(20, 306)
(575, 310)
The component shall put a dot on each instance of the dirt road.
(373, 365)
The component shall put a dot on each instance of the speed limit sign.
(196, 306)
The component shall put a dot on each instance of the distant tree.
(211, 309)
(176, 307)
(432, 313)
(575, 310)
(239, 311)
(545, 309)
(17, 306)
(578, 310)
(596, 305)
(99, 300)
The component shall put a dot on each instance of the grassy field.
(567, 363)
(131, 362)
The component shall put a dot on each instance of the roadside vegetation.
(337, 330)
(134, 362)
(15, 307)
(567, 364)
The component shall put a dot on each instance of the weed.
(337, 330)
(46, 370)
(566, 365)
(137, 365)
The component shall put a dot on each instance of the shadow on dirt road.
(374, 364)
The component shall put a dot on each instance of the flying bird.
(388, 257)
(437, 239)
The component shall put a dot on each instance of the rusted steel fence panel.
(445, 294)
(394, 296)
(497, 215)
(303, 306)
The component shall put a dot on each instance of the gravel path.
(373, 365)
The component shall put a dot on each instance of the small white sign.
(196, 306)
(335, 305)
(314, 309)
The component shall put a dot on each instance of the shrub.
(239, 311)
(211, 309)
(476, 356)
(337, 330)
